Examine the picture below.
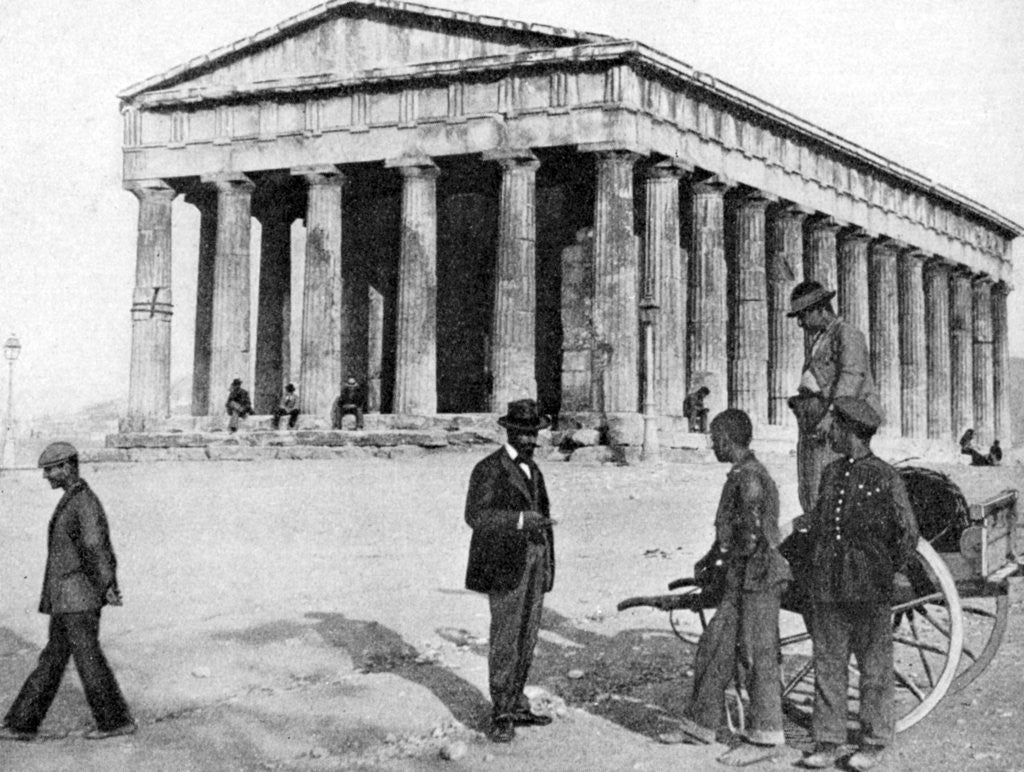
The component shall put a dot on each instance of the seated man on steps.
(350, 401)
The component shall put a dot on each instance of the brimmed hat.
(807, 295)
(236, 382)
(57, 453)
(523, 414)
(858, 411)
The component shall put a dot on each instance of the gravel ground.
(311, 615)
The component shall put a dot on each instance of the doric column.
(885, 325)
(274, 309)
(913, 351)
(616, 283)
(852, 266)
(936, 297)
(961, 350)
(375, 349)
(1001, 365)
(513, 333)
(229, 338)
(748, 322)
(416, 328)
(984, 417)
(665, 284)
(206, 202)
(820, 251)
(785, 269)
(707, 313)
(149, 385)
(320, 362)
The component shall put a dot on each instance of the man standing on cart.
(746, 624)
(862, 531)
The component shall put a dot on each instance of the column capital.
(1001, 288)
(886, 245)
(962, 272)
(911, 253)
(614, 149)
(670, 168)
(936, 264)
(981, 280)
(853, 233)
(229, 181)
(788, 210)
(754, 196)
(319, 174)
(825, 222)
(155, 187)
(716, 182)
(414, 166)
(512, 157)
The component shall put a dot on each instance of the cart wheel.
(986, 612)
(927, 641)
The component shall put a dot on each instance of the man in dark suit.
(81, 578)
(351, 401)
(239, 405)
(512, 559)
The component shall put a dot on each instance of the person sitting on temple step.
(350, 401)
(289, 406)
(694, 410)
(994, 456)
(239, 405)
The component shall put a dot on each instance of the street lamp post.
(12, 348)
(651, 449)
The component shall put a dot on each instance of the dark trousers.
(345, 410)
(515, 622)
(280, 412)
(813, 454)
(71, 636)
(744, 631)
(865, 630)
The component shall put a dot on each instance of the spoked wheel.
(986, 609)
(928, 635)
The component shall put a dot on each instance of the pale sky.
(936, 85)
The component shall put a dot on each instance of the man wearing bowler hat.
(512, 559)
(836, 365)
(862, 531)
(80, 578)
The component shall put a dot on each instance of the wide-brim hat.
(806, 295)
(57, 453)
(236, 382)
(858, 411)
(524, 415)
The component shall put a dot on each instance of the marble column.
(984, 415)
(205, 201)
(937, 327)
(961, 345)
(514, 327)
(884, 333)
(913, 349)
(229, 337)
(1003, 420)
(707, 312)
(785, 269)
(820, 251)
(320, 357)
(616, 283)
(665, 285)
(852, 265)
(149, 385)
(375, 349)
(748, 322)
(274, 305)
(416, 327)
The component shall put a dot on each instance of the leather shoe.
(825, 755)
(119, 731)
(502, 730)
(10, 733)
(866, 757)
(529, 718)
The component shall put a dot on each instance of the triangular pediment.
(347, 37)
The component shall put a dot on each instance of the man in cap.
(80, 579)
(350, 402)
(289, 406)
(862, 531)
(836, 365)
(239, 405)
(512, 559)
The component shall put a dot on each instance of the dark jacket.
(498, 492)
(238, 401)
(747, 527)
(863, 530)
(80, 563)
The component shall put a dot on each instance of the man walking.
(80, 579)
(863, 531)
(512, 559)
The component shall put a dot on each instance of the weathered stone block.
(103, 455)
(625, 429)
(305, 453)
(401, 451)
(593, 455)
(585, 437)
(232, 453)
(473, 437)
(349, 451)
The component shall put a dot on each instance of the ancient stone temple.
(496, 209)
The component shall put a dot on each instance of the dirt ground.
(311, 616)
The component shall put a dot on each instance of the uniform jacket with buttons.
(863, 530)
(747, 527)
(841, 366)
(498, 492)
(80, 563)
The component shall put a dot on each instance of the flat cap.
(57, 453)
(857, 410)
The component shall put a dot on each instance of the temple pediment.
(346, 37)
